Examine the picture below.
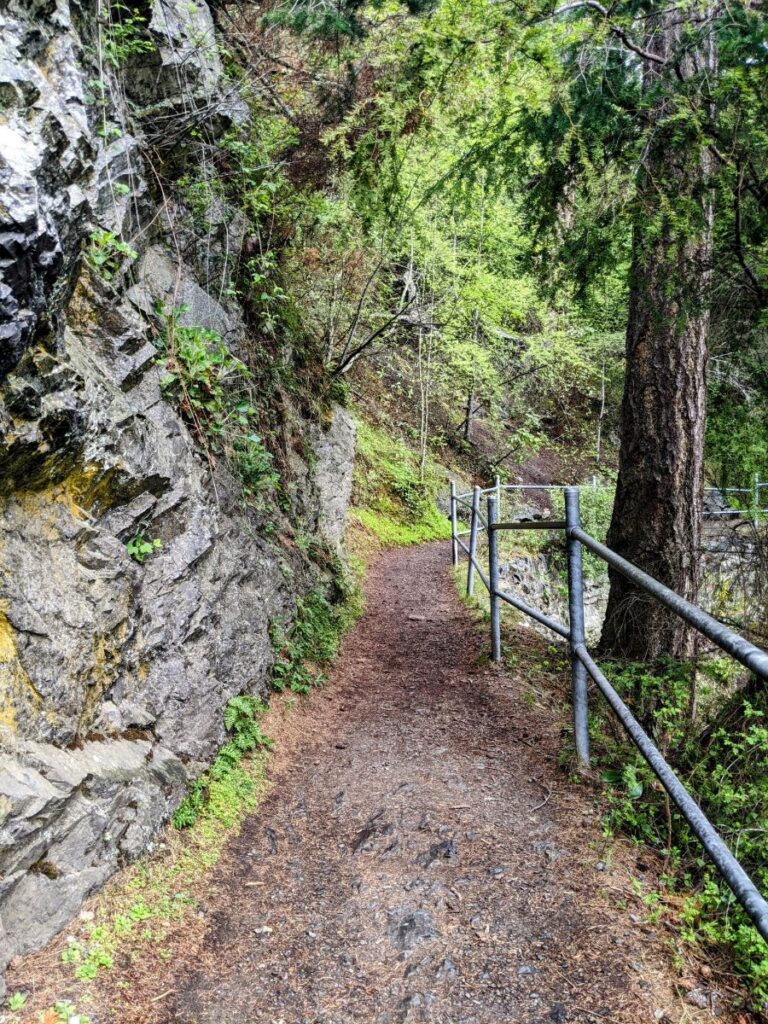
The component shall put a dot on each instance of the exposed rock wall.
(730, 584)
(114, 674)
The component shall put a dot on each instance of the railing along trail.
(582, 662)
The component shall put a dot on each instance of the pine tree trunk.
(657, 514)
(468, 418)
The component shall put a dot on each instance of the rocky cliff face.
(730, 586)
(114, 673)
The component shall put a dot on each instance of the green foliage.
(310, 643)
(66, 1013)
(331, 21)
(140, 548)
(214, 391)
(107, 254)
(737, 436)
(124, 36)
(312, 640)
(91, 957)
(17, 1001)
(159, 891)
(201, 374)
(224, 781)
(391, 501)
(724, 763)
(249, 181)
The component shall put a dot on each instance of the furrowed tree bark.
(656, 519)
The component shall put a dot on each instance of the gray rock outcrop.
(114, 673)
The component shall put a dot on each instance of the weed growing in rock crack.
(139, 548)
(249, 182)
(107, 253)
(213, 390)
(122, 35)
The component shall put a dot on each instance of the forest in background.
(458, 187)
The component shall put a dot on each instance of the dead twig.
(546, 799)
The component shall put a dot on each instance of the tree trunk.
(656, 519)
(468, 418)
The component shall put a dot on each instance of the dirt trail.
(409, 864)
(420, 857)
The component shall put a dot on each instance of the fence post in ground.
(454, 531)
(473, 540)
(493, 579)
(576, 614)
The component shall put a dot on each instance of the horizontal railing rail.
(751, 510)
(583, 664)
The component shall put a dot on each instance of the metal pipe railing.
(754, 508)
(742, 650)
(741, 885)
(577, 636)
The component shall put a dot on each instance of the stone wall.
(114, 674)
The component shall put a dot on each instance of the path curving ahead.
(420, 856)
(408, 864)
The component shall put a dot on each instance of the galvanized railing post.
(473, 540)
(497, 484)
(576, 619)
(454, 531)
(493, 578)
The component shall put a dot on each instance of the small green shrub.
(89, 958)
(67, 1013)
(313, 639)
(107, 254)
(253, 464)
(241, 720)
(214, 392)
(124, 36)
(723, 761)
(17, 1001)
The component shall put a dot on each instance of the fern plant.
(241, 721)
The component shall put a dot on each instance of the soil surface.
(421, 855)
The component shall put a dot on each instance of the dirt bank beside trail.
(420, 857)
